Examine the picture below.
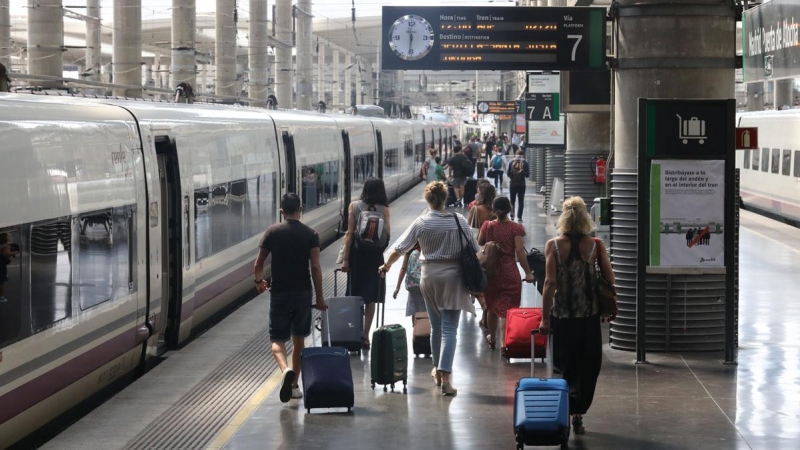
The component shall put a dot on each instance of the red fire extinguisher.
(598, 166)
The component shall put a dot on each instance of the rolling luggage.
(481, 168)
(389, 354)
(470, 190)
(422, 335)
(517, 342)
(541, 409)
(451, 194)
(327, 376)
(348, 320)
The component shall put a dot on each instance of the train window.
(756, 159)
(797, 163)
(363, 168)
(51, 272)
(11, 310)
(320, 184)
(747, 159)
(786, 167)
(202, 224)
(221, 219)
(260, 204)
(776, 160)
(102, 256)
(765, 160)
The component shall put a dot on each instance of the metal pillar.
(259, 56)
(183, 51)
(335, 86)
(305, 68)
(587, 138)
(5, 35)
(283, 53)
(127, 46)
(225, 48)
(93, 41)
(755, 96)
(348, 87)
(369, 86)
(784, 93)
(655, 62)
(45, 40)
(359, 86)
(321, 74)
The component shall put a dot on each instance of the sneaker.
(296, 392)
(287, 378)
(3, 299)
(519, 219)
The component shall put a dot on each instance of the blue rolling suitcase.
(541, 408)
(327, 376)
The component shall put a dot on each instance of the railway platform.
(219, 391)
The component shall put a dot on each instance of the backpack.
(466, 166)
(518, 172)
(371, 228)
(497, 162)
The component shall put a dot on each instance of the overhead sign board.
(771, 41)
(746, 138)
(542, 107)
(497, 107)
(493, 38)
(544, 82)
(547, 132)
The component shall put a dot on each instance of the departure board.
(493, 38)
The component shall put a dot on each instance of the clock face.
(411, 37)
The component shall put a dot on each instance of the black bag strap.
(460, 230)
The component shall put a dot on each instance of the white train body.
(770, 176)
(137, 222)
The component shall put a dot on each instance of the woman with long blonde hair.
(570, 307)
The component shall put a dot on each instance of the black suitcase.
(470, 190)
(327, 377)
(451, 195)
(481, 170)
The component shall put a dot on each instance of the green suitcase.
(389, 356)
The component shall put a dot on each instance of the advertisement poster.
(687, 213)
(549, 132)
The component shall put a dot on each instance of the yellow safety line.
(247, 409)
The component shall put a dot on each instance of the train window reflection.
(776, 160)
(747, 159)
(363, 168)
(797, 163)
(756, 159)
(11, 317)
(786, 167)
(765, 160)
(202, 223)
(221, 222)
(51, 272)
(320, 184)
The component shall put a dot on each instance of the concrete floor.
(678, 401)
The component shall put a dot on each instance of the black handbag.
(474, 276)
(537, 264)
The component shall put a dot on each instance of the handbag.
(538, 264)
(488, 254)
(476, 231)
(474, 276)
(606, 295)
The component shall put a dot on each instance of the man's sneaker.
(287, 378)
(296, 392)
(519, 219)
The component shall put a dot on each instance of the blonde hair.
(435, 194)
(433, 152)
(574, 217)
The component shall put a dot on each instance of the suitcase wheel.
(373, 385)
(385, 388)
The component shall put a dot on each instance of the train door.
(379, 162)
(291, 163)
(348, 170)
(174, 242)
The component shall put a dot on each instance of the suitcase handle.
(327, 328)
(548, 351)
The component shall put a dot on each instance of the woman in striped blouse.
(442, 281)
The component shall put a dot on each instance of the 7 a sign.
(542, 107)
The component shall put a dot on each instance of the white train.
(770, 176)
(137, 222)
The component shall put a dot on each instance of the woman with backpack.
(570, 309)
(504, 290)
(497, 167)
(364, 243)
(518, 172)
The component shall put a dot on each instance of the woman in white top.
(442, 281)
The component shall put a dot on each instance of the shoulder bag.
(488, 254)
(474, 276)
(605, 293)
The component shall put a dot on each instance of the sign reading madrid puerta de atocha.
(771, 41)
(493, 38)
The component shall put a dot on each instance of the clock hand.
(410, 38)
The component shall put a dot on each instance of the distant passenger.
(428, 172)
(497, 167)
(442, 282)
(569, 304)
(7, 251)
(504, 290)
(361, 261)
(294, 246)
(440, 175)
(461, 168)
(518, 172)
(411, 272)
(480, 211)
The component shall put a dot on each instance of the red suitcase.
(519, 323)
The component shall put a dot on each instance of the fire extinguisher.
(598, 166)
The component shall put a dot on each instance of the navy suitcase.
(541, 409)
(348, 320)
(327, 377)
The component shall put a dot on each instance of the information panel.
(493, 38)
(497, 107)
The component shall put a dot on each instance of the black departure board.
(493, 38)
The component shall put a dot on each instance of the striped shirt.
(438, 236)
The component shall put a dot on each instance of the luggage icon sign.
(693, 128)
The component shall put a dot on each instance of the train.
(135, 224)
(770, 176)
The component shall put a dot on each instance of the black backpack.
(466, 166)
